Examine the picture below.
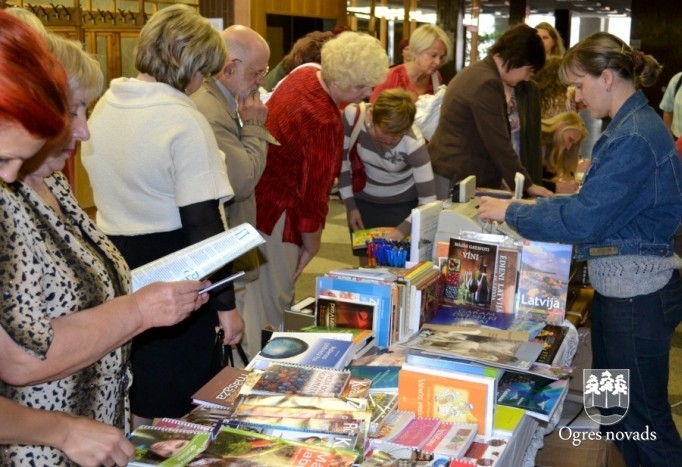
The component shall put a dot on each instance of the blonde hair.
(176, 44)
(28, 18)
(558, 48)
(394, 110)
(559, 160)
(353, 59)
(82, 69)
(424, 36)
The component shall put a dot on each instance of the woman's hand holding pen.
(168, 303)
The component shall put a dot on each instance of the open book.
(198, 261)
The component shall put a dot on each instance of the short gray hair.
(354, 59)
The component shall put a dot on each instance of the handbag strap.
(359, 118)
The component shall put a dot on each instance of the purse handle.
(359, 118)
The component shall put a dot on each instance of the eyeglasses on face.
(256, 73)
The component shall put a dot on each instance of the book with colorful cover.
(501, 353)
(362, 237)
(314, 438)
(421, 358)
(481, 330)
(222, 390)
(166, 446)
(543, 281)
(462, 315)
(470, 269)
(533, 328)
(279, 378)
(207, 415)
(381, 404)
(451, 440)
(551, 337)
(339, 313)
(306, 402)
(411, 436)
(486, 450)
(379, 294)
(449, 396)
(383, 378)
(539, 397)
(507, 419)
(332, 350)
(236, 447)
(503, 291)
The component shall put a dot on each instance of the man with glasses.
(231, 103)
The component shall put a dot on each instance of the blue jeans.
(635, 333)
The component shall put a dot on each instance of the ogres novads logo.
(605, 395)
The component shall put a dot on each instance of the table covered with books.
(389, 372)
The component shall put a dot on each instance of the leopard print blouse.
(53, 266)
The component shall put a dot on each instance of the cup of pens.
(383, 252)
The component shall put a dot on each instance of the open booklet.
(199, 260)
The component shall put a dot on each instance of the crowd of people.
(188, 148)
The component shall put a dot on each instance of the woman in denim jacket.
(622, 222)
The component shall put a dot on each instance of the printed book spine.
(503, 292)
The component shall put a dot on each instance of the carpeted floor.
(335, 252)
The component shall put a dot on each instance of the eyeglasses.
(256, 73)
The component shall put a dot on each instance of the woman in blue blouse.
(622, 222)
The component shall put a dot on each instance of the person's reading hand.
(252, 108)
(539, 191)
(492, 209)
(232, 326)
(91, 444)
(168, 303)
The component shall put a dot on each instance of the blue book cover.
(384, 378)
(539, 397)
(421, 358)
(380, 294)
(447, 314)
(331, 350)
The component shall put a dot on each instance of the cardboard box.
(558, 452)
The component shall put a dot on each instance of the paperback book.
(449, 396)
(463, 315)
(383, 378)
(279, 378)
(379, 294)
(468, 273)
(486, 450)
(313, 438)
(412, 436)
(503, 290)
(451, 440)
(223, 389)
(551, 337)
(332, 350)
(381, 404)
(501, 353)
(236, 447)
(539, 397)
(335, 312)
(418, 357)
(543, 281)
(166, 446)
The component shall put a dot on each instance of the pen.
(221, 282)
